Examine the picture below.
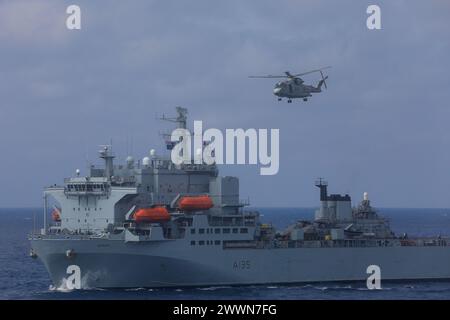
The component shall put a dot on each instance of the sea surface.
(24, 278)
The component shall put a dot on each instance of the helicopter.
(294, 86)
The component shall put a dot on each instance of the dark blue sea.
(24, 278)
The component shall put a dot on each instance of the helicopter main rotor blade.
(268, 76)
(312, 71)
(289, 75)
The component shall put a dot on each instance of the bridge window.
(235, 230)
(217, 242)
(201, 231)
(192, 243)
(217, 230)
(193, 231)
(244, 230)
(201, 243)
(226, 230)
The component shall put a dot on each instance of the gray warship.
(151, 223)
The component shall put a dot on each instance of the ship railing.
(244, 202)
(55, 235)
(199, 167)
(424, 242)
(343, 243)
(231, 224)
(84, 193)
(54, 186)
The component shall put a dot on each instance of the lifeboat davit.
(155, 214)
(56, 215)
(192, 203)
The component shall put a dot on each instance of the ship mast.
(107, 155)
(180, 120)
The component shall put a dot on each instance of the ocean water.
(24, 278)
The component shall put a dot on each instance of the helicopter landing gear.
(305, 99)
(289, 101)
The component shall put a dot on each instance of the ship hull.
(117, 264)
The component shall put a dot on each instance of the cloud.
(382, 120)
(32, 23)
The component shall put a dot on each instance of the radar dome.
(153, 152)
(130, 162)
(366, 196)
(146, 161)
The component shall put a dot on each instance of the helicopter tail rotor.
(322, 82)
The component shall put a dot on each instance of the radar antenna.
(322, 185)
(181, 119)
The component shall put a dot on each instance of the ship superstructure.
(152, 223)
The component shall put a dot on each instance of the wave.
(62, 288)
(136, 289)
(214, 288)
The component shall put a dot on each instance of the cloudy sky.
(382, 126)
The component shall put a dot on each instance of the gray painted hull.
(115, 264)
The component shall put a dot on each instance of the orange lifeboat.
(191, 203)
(155, 214)
(56, 215)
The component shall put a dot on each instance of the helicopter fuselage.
(294, 89)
